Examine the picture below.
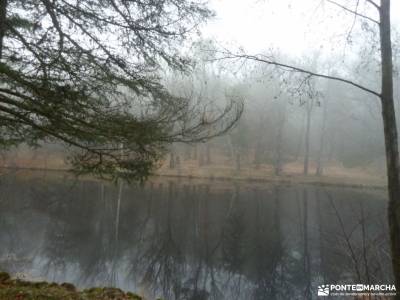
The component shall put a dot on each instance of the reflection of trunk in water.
(209, 251)
(163, 259)
(114, 256)
(268, 249)
(351, 246)
(120, 188)
(306, 250)
(193, 289)
(142, 226)
(323, 264)
(254, 227)
(95, 262)
(277, 280)
(232, 241)
(346, 236)
(56, 250)
(364, 244)
(202, 282)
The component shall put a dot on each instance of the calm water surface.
(193, 240)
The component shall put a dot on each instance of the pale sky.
(288, 25)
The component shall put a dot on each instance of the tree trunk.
(208, 153)
(320, 166)
(257, 155)
(278, 151)
(237, 161)
(3, 12)
(172, 160)
(391, 145)
(300, 142)
(117, 217)
(195, 152)
(279, 139)
(201, 158)
(188, 152)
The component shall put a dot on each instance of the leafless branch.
(355, 12)
(298, 69)
(374, 4)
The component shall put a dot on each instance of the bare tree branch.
(298, 69)
(374, 4)
(355, 12)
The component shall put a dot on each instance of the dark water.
(194, 240)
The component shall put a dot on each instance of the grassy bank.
(222, 169)
(12, 289)
(223, 177)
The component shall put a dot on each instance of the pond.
(190, 239)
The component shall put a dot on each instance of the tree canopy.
(88, 73)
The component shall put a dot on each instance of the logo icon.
(323, 290)
(359, 287)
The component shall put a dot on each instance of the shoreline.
(323, 180)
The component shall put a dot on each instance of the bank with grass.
(12, 289)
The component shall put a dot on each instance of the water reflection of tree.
(306, 249)
(15, 215)
(207, 244)
(234, 242)
(192, 243)
(354, 245)
(194, 285)
(59, 244)
(162, 261)
(78, 235)
(267, 253)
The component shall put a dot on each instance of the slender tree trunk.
(237, 161)
(279, 140)
(3, 12)
(391, 145)
(278, 155)
(257, 155)
(201, 158)
(120, 189)
(320, 166)
(188, 152)
(231, 148)
(208, 153)
(195, 152)
(172, 160)
(300, 142)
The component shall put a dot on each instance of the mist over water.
(199, 149)
(190, 239)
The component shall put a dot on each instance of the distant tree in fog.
(385, 95)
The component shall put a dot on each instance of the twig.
(355, 12)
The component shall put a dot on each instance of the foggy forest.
(199, 150)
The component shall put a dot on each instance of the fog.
(195, 150)
(288, 117)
